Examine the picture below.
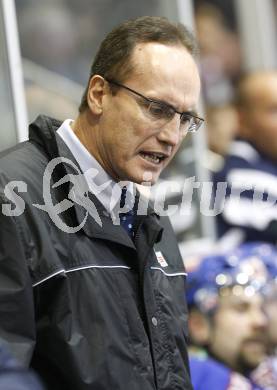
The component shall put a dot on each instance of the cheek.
(175, 151)
(271, 313)
(130, 129)
(229, 332)
(116, 132)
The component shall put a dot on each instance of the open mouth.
(152, 157)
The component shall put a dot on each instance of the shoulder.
(22, 171)
(244, 151)
(210, 374)
(22, 162)
(245, 164)
(206, 373)
(241, 155)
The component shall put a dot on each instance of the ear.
(199, 328)
(95, 94)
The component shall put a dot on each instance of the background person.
(220, 59)
(266, 373)
(250, 168)
(227, 322)
(102, 307)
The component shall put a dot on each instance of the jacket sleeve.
(17, 319)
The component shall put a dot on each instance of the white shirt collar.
(106, 190)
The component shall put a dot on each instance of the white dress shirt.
(99, 182)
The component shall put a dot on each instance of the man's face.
(260, 115)
(128, 139)
(238, 331)
(271, 312)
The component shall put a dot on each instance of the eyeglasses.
(162, 113)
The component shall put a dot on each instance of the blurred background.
(46, 49)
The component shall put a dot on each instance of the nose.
(170, 132)
(259, 319)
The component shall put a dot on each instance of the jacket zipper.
(141, 281)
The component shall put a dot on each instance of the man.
(250, 169)
(227, 322)
(88, 304)
(266, 373)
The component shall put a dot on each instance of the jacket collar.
(86, 211)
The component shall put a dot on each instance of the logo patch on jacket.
(161, 259)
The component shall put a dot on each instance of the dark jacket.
(250, 204)
(89, 310)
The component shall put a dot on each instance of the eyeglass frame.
(161, 103)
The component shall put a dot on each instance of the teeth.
(154, 158)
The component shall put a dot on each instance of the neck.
(85, 129)
(80, 126)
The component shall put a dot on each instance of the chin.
(252, 360)
(143, 177)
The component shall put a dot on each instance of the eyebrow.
(160, 101)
